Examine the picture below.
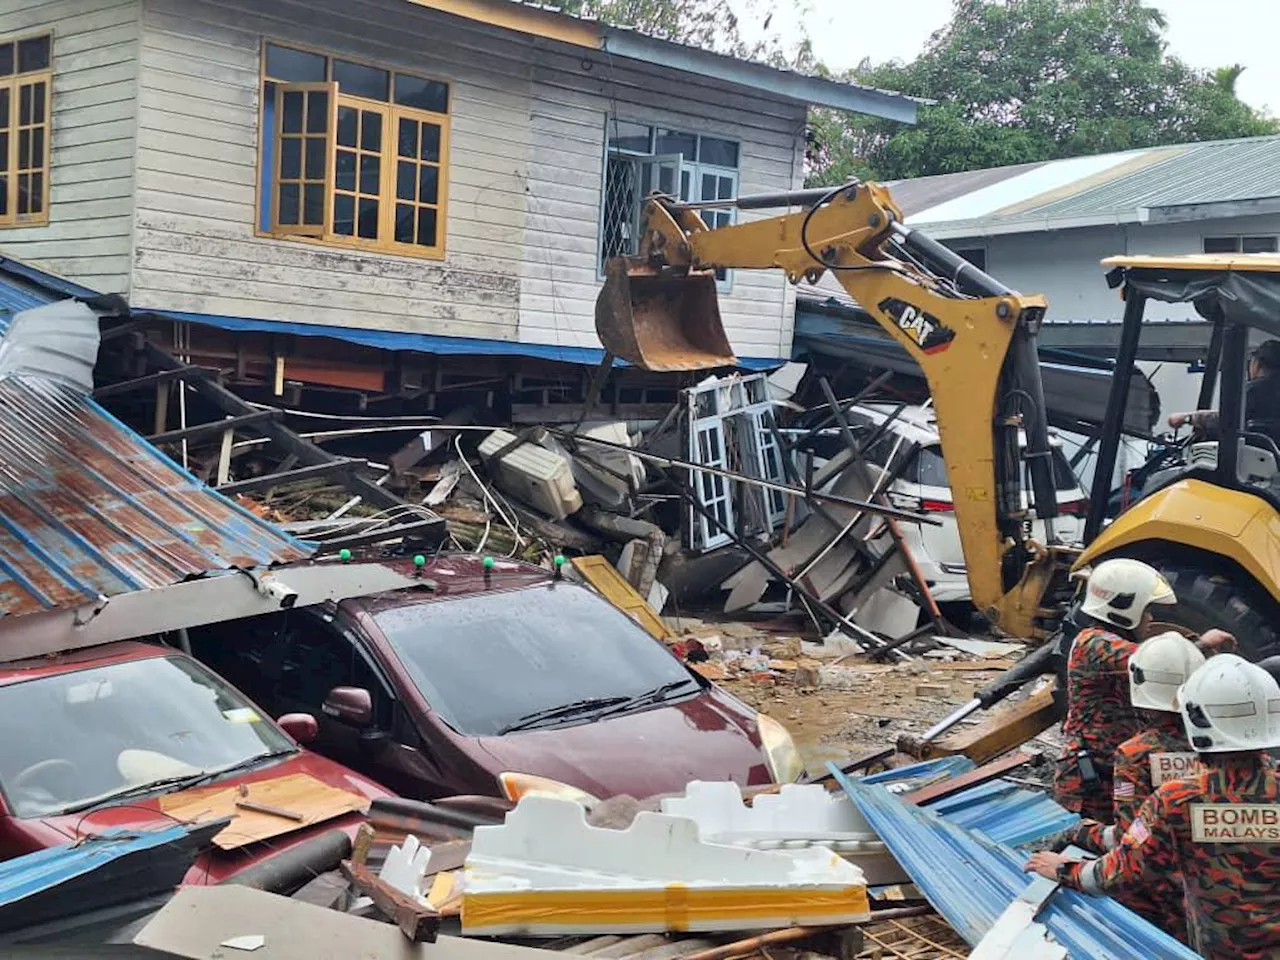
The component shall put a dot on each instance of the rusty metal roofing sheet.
(88, 508)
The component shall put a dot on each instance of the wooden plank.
(979, 775)
(311, 472)
(611, 585)
(418, 922)
(214, 428)
(299, 793)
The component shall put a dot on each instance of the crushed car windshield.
(500, 661)
(78, 737)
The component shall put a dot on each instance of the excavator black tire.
(1224, 598)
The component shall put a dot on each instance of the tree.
(710, 24)
(1032, 80)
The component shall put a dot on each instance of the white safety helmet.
(1230, 704)
(1119, 591)
(1159, 667)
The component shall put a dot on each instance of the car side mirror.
(351, 705)
(301, 726)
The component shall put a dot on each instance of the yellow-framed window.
(26, 93)
(305, 121)
(385, 179)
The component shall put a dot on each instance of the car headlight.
(517, 785)
(785, 764)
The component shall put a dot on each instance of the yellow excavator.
(1208, 513)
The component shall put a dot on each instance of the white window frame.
(1239, 239)
(693, 168)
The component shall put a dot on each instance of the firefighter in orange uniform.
(1220, 827)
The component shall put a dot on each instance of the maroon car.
(95, 739)
(497, 681)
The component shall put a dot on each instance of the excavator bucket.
(661, 321)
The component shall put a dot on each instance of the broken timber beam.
(214, 427)
(963, 781)
(419, 923)
(311, 472)
(179, 371)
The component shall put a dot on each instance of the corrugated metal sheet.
(89, 508)
(1115, 187)
(970, 880)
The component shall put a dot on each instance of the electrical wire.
(515, 527)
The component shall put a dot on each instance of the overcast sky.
(1203, 33)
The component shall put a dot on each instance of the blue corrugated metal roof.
(970, 879)
(422, 342)
(28, 875)
(88, 507)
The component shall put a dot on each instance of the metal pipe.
(764, 201)
(1109, 445)
(293, 867)
(942, 726)
(875, 508)
(1235, 356)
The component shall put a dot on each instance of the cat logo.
(925, 329)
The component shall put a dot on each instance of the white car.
(922, 487)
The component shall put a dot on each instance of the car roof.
(448, 575)
(103, 655)
(918, 423)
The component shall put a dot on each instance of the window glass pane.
(291, 119)
(4, 152)
(429, 180)
(633, 137)
(708, 186)
(317, 112)
(371, 130)
(357, 80)
(368, 226)
(290, 203)
(37, 108)
(423, 94)
(1221, 244)
(370, 168)
(348, 119)
(426, 227)
(345, 168)
(24, 104)
(975, 255)
(344, 215)
(313, 206)
(717, 152)
(6, 59)
(404, 222)
(4, 196)
(430, 143)
(686, 183)
(315, 158)
(33, 54)
(294, 66)
(24, 150)
(1258, 245)
(291, 158)
(408, 139)
(4, 107)
(672, 141)
(726, 189)
(406, 181)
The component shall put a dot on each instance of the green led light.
(419, 561)
(344, 554)
(559, 560)
(488, 563)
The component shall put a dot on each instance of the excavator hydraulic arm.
(973, 338)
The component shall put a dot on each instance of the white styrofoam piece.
(798, 816)
(547, 846)
(982, 648)
(405, 866)
(1017, 936)
(539, 477)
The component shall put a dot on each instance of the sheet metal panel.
(89, 508)
(970, 880)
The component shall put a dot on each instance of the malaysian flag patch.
(1138, 830)
(1122, 790)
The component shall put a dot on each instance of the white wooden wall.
(95, 64)
(570, 103)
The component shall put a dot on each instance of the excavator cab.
(1209, 519)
